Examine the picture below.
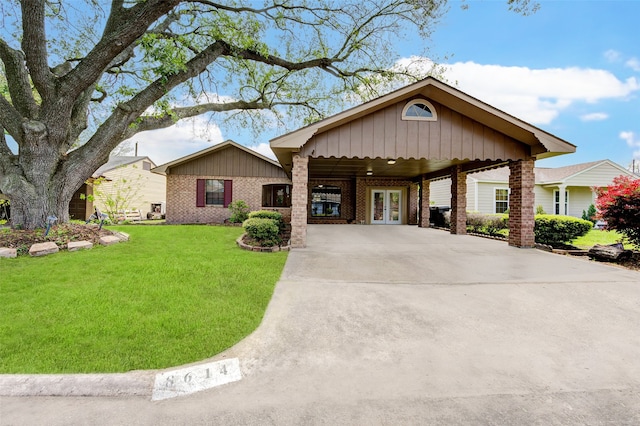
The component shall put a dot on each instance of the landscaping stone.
(43, 249)
(122, 236)
(109, 240)
(79, 245)
(8, 252)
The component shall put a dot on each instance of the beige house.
(130, 177)
(200, 186)
(562, 190)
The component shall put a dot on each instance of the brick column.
(458, 201)
(299, 199)
(521, 204)
(425, 213)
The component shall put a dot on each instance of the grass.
(169, 296)
(597, 236)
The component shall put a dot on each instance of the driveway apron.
(403, 325)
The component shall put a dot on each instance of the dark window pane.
(326, 201)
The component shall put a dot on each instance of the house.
(201, 186)
(562, 190)
(372, 164)
(125, 178)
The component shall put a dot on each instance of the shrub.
(619, 205)
(269, 214)
(540, 209)
(239, 211)
(590, 214)
(262, 230)
(556, 230)
(490, 224)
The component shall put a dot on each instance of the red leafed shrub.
(619, 205)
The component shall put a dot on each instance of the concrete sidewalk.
(401, 325)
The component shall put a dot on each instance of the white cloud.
(265, 149)
(612, 55)
(633, 141)
(183, 138)
(537, 95)
(594, 116)
(634, 64)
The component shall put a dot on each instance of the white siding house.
(133, 175)
(562, 190)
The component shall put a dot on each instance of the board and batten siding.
(229, 161)
(383, 134)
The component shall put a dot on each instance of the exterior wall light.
(369, 172)
(391, 161)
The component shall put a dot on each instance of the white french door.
(386, 206)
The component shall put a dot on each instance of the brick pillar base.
(458, 201)
(521, 204)
(299, 199)
(425, 213)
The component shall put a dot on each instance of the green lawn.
(596, 236)
(169, 296)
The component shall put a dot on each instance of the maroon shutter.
(200, 193)
(228, 192)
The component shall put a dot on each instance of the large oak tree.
(81, 76)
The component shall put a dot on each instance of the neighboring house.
(562, 190)
(123, 176)
(201, 186)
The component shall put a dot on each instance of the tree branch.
(11, 119)
(18, 80)
(123, 28)
(34, 45)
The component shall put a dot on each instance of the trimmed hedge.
(263, 230)
(269, 214)
(553, 229)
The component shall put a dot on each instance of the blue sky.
(572, 69)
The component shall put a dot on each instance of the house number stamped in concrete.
(193, 379)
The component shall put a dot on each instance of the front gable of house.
(601, 174)
(390, 133)
(229, 160)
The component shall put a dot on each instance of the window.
(501, 200)
(213, 192)
(278, 195)
(146, 165)
(419, 109)
(556, 203)
(325, 201)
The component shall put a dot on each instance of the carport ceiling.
(355, 167)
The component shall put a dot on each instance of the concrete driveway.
(401, 325)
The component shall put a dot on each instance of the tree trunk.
(42, 183)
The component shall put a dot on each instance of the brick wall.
(425, 213)
(299, 200)
(181, 198)
(521, 204)
(458, 201)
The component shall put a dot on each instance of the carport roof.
(542, 143)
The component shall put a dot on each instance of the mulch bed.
(60, 234)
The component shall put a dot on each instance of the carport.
(373, 164)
